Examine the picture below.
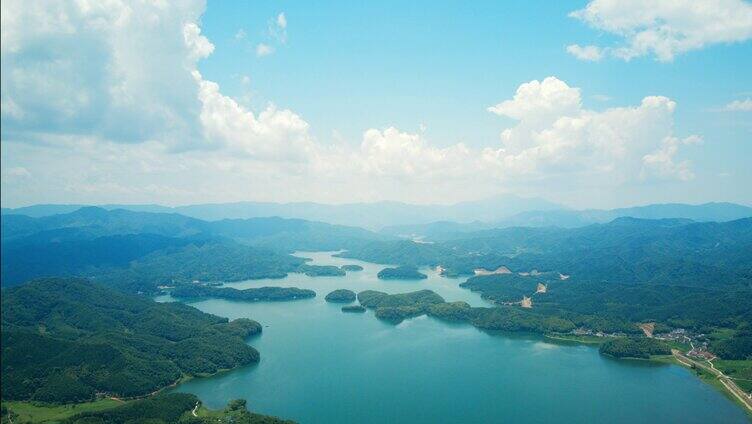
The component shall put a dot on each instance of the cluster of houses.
(698, 342)
(677, 335)
(701, 352)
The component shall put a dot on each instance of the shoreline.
(703, 372)
(727, 385)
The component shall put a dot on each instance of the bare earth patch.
(647, 328)
(500, 270)
(526, 302)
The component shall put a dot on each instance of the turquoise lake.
(319, 365)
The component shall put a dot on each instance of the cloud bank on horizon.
(104, 102)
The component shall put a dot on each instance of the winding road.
(195, 408)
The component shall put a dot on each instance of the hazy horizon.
(375, 202)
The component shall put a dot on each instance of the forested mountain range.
(606, 277)
(626, 250)
(90, 222)
(142, 249)
(367, 215)
(133, 245)
(568, 218)
(396, 218)
(674, 271)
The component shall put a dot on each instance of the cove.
(319, 365)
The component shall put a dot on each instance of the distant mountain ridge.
(92, 241)
(706, 212)
(372, 216)
(567, 218)
(93, 221)
(403, 219)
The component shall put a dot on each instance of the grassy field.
(739, 371)
(673, 344)
(40, 413)
(572, 338)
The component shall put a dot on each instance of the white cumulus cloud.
(273, 134)
(264, 50)
(666, 29)
(391, 152)
(103, 102)
(661, 162)
(555, 136)
(104, 68)
(199, 46)
(540, 101)
(589, 53)
(739, 106)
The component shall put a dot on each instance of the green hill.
(141, 250)
(65, 340)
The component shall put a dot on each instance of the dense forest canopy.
(626, 250)
(66, 340)
(341, 296)
(165, 408)
(604, 277)
(634, 347)
(141, 250)
(174, 408)
(405, 272)
(258, 294)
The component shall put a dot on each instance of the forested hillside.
(604, 277)
(141, 250)
(207, 262)
(65, 340)
(167, 408)
(627, 251)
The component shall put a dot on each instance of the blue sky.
(429, 71)
(354, 65)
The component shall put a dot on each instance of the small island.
(395, 308)
(351, 267)
(401, 273)
(251, 295)
(341, 296)
(353, 309)
(321, 270)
